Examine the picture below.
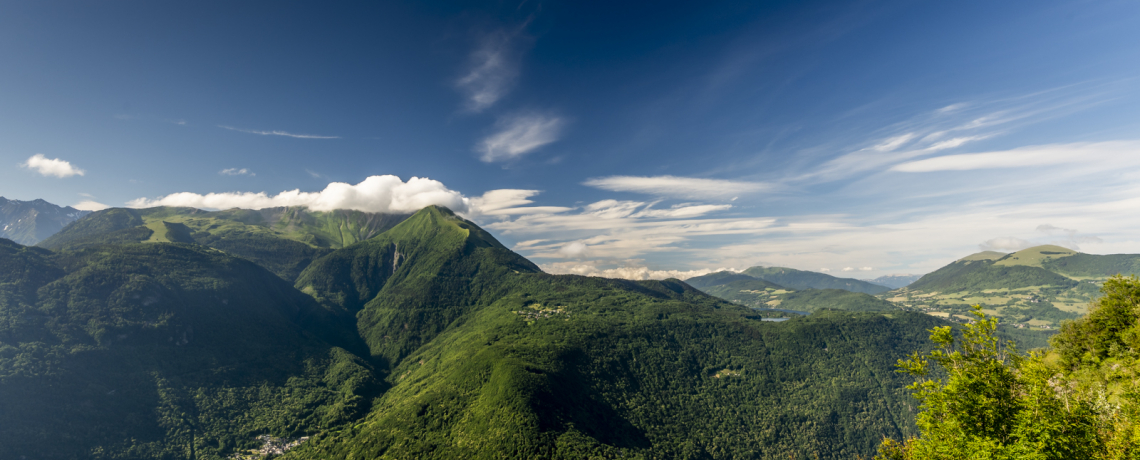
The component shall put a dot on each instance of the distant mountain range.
(803, 279)
(894, 281)
(763, 294)
(29, 222)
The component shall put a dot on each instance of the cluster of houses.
(270, 446)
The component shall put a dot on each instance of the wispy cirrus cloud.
(952, 127)
(493, 69)
(1110, 155)
(678, 187)
(237, 172)
(277, 133)
(51, 166)
(519, 135)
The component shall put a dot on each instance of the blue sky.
(641, 140)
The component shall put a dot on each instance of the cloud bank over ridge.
(385, 193)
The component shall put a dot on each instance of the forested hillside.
(431, 340)
(164, 351)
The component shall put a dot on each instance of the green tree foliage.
(982, 400)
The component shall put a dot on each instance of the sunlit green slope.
(283, 240)
(491, 358)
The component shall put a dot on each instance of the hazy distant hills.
(29, 222)
(283, 240)
(895, 281)
(427, 340)
(802, 279)
(757, 293)
(1036, 287)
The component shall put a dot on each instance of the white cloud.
(51, 167)
(494, 68)
(277, 133)
(519, 135)
(848, 269)
(866, 269)
(1116, 153)
(1005, 244)
(90, 205)
(574, 250)
(825, 270)
(683, 211)
(953, 143)
(953, 107)
(506, 202)
(236, 172)
(678, 187)
(626, 272)
(894, 143)
(374, 194)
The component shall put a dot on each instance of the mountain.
(801, 279)
(894, 281)
(429, 340)
(1036, 287)
(724, 277)
(164, 351)
(757, 293)
(29, 222)
(283, 240)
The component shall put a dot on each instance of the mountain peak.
(984, 255)
(1036, 256)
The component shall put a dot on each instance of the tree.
(982, 399)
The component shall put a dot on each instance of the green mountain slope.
(978, 275)
(431, 340)
(164, 351)
(491, 358)
(283, 240)
(1037, 287)
(801, 279)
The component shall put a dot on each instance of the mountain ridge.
(29, 222)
